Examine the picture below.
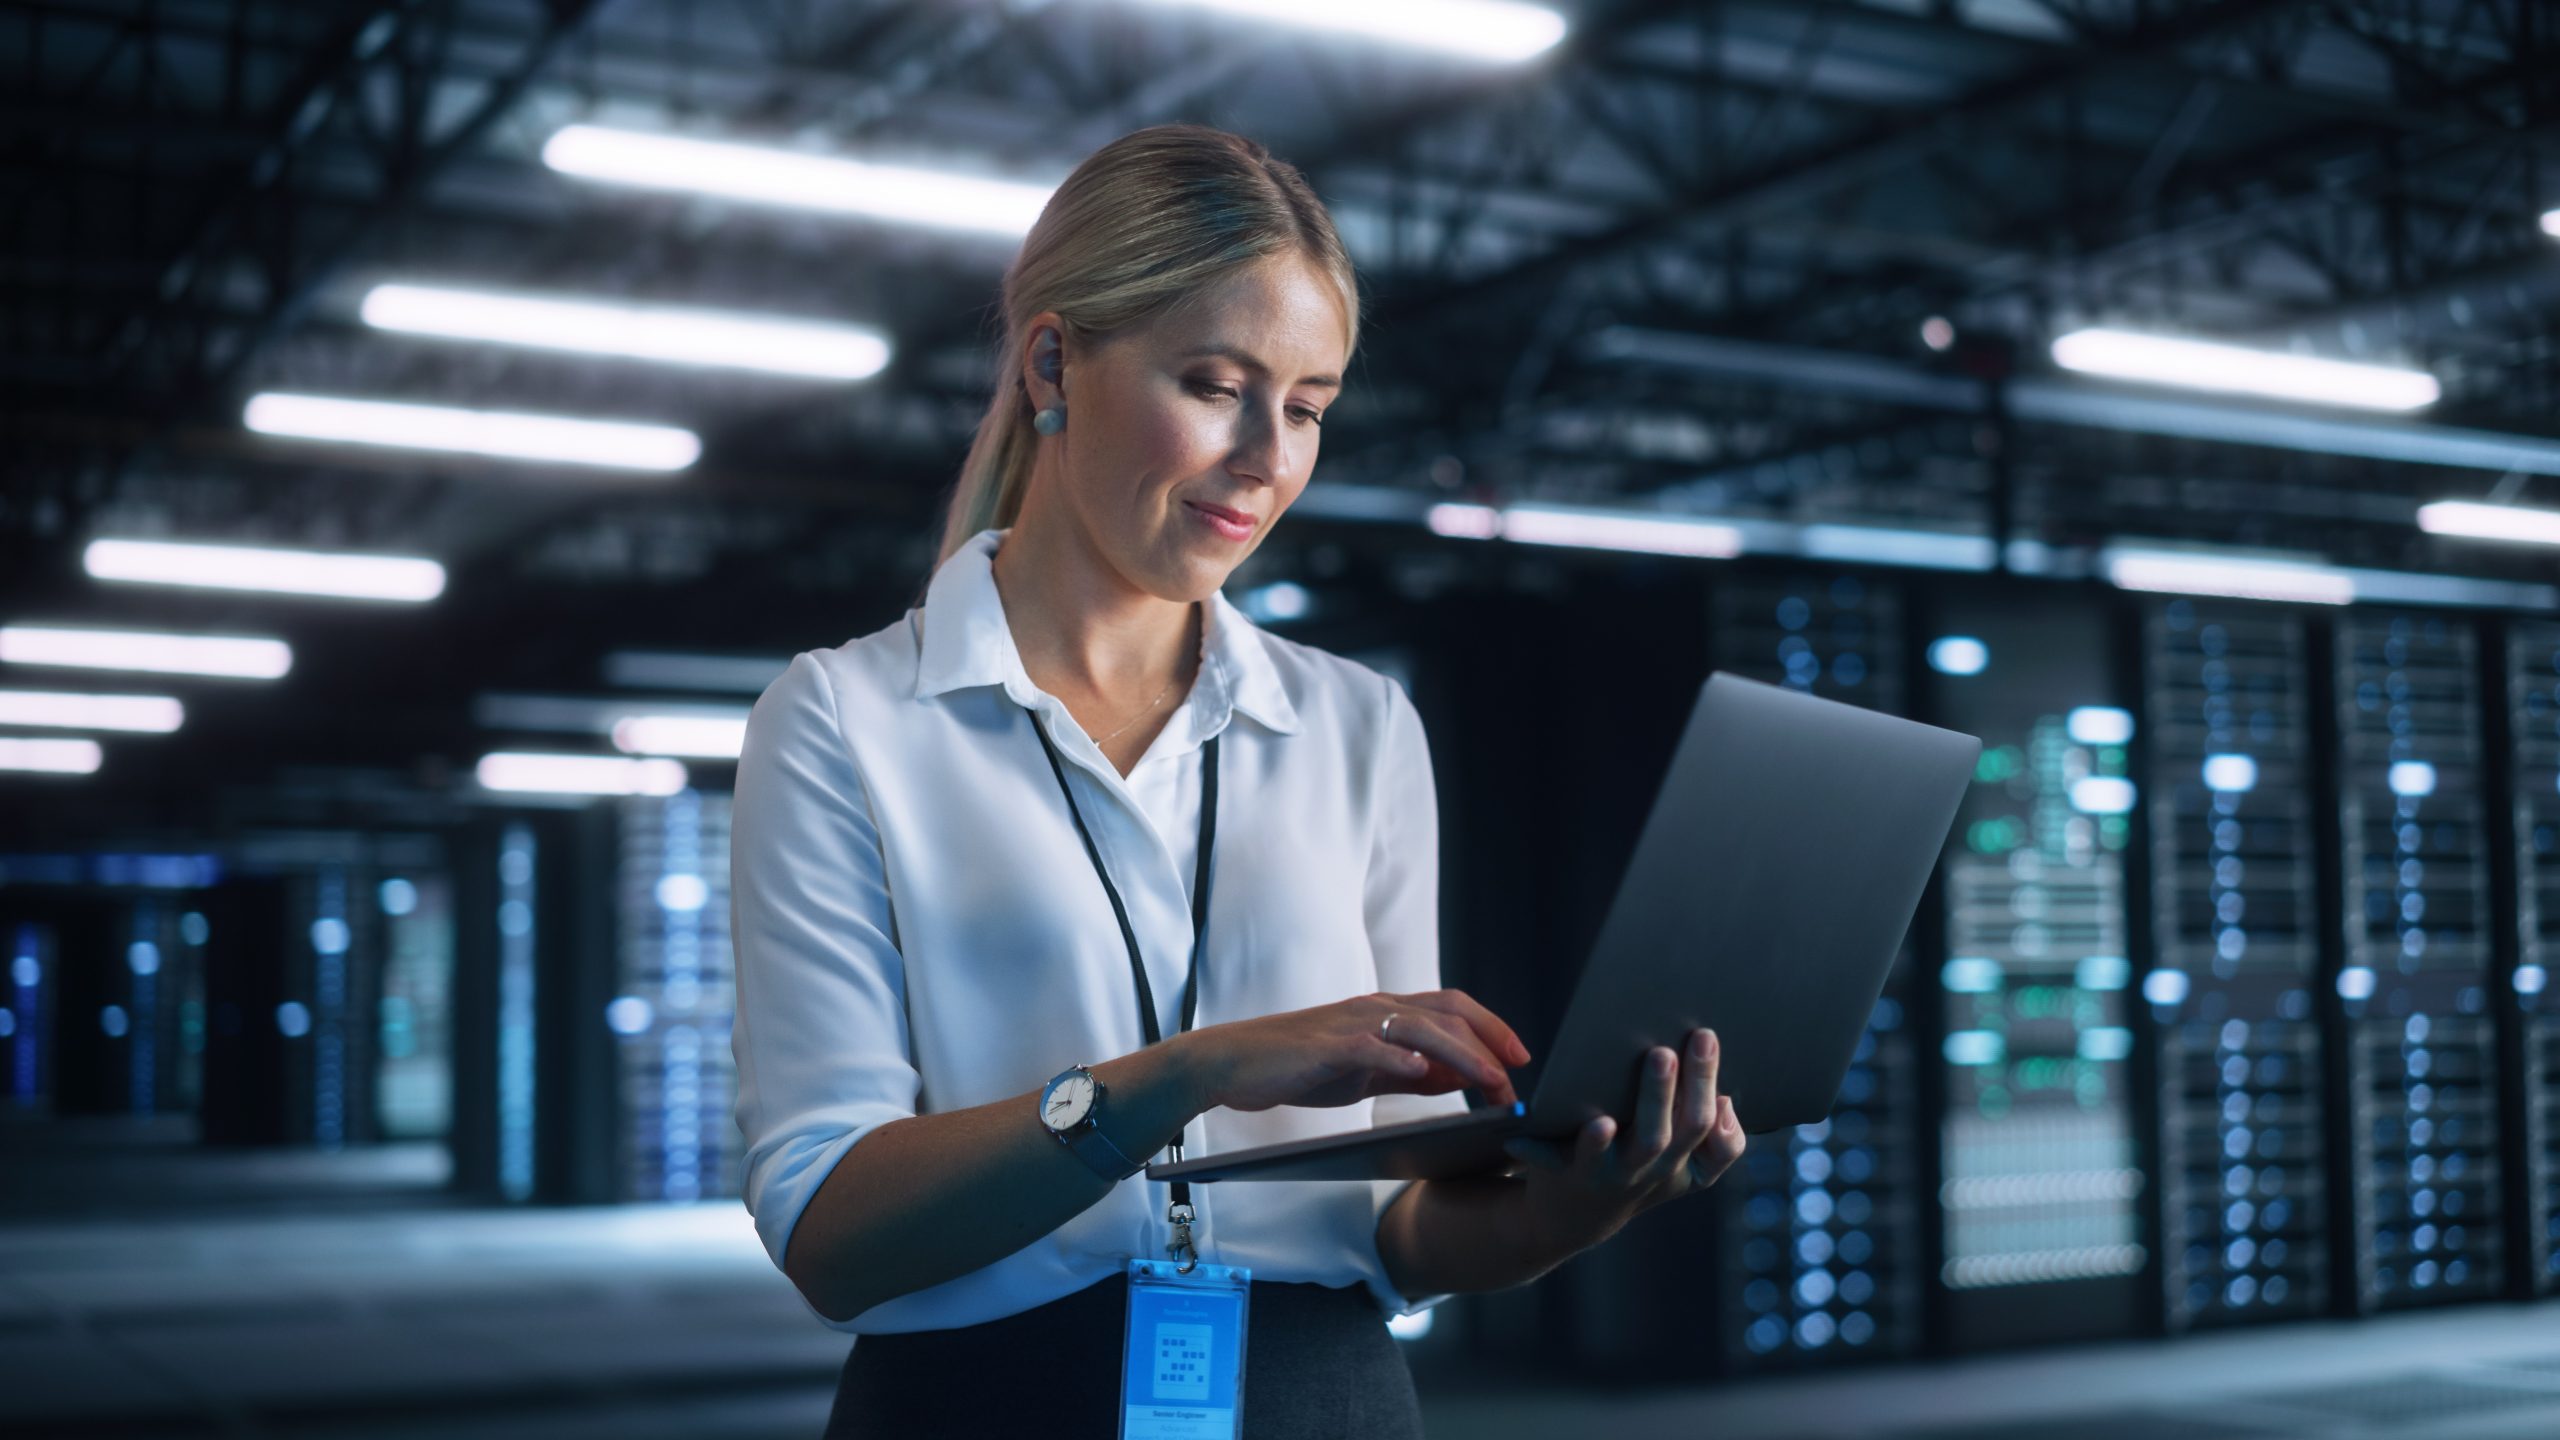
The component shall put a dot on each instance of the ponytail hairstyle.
(1141, 228)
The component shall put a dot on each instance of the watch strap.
(1086, 1139)
(1096, 1150)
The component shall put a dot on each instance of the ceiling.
(194, 196)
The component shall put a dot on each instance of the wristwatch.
(1071, 1106)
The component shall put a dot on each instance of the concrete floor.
(167, 1316)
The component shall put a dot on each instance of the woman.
(1072, 864)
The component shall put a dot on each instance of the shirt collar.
(966, 642)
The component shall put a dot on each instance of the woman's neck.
(1081, 628)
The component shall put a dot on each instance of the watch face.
(1068, 1101)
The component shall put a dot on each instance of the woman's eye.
(1208, 388)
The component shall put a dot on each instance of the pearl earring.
(1051, 420)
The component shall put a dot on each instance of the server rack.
(2042, 1196)
(674, 999)
(2532, 664)
(2417, 1049)
(1820, 1233)
(413, 1084)
(2235, 959)
(26, 1024)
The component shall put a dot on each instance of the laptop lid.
(1769, 892)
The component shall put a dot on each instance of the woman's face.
(1210, 412)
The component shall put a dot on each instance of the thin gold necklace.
(1151, 706)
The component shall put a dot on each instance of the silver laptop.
(1768, 894)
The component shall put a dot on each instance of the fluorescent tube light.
(671, 670)
(506, 434)
(2176, 572)
(65, 710)
(2479, 521)
(1477, 29)
(2204, 365)
(1608, 530)
(1464, 522)
(524, 770)
(50, 757)
(696, 735)
(1591, 529)
(640, 332)
(283, 572)
(1883, 545)
(243, 657)
(796, 179)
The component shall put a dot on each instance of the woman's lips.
(1225, 522)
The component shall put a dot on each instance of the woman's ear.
(1046, 380)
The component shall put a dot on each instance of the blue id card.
(1182, 1363)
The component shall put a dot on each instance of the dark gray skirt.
(1319, 1365)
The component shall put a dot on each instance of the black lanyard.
(1180, 1212)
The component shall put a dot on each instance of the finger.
(1591, 1144)
(1651, 1135)
(1448, 1040)
(1499, 1039)
(1409, 1067)
(1416, 1073)
(1726, 1144)
(1698, 1088)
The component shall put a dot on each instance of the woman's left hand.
(1684, 1137)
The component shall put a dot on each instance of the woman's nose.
(1260, 450)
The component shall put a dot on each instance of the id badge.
(1182, 1361)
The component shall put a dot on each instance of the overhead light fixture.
(2184, 573)
(797, 179)
(50, 757)
(672, 670)
(1477, 29)
(678, 336)
(537, 773)
(702, 736)
(2236, 369)
(276, 571)
(504, 434)
(1464, 522)
(2551, 223)
(239, 657)
(1884, 545)
(1587, 528)
(65, 710)
(2478, 520)
(1605, 530)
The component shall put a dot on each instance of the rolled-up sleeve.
(820, 1036)
(1402, 902)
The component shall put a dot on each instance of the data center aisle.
(642, 1321)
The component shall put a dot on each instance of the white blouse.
(917, 927)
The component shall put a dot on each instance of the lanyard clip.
(1178, 1215)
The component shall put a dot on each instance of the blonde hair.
(1140, 230)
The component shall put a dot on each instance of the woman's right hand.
(1441, 1040)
